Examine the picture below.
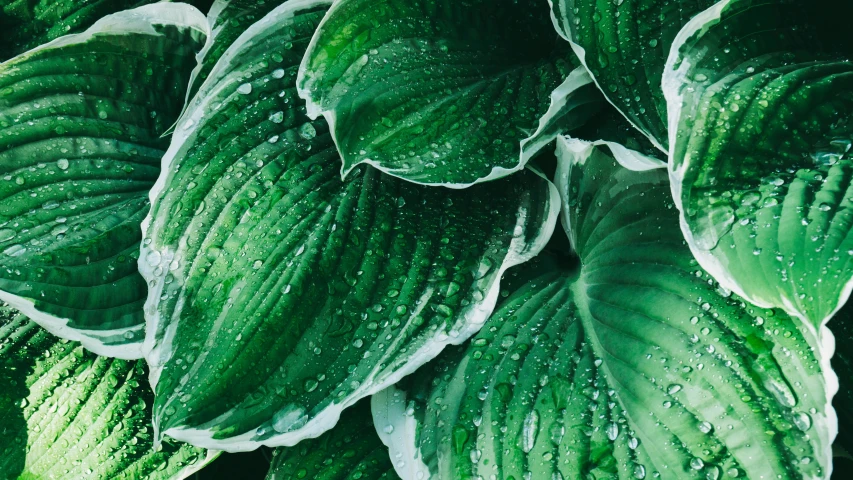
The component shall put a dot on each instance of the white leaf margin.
(158, 346)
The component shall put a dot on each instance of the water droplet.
(307, 131)
(289, 418)
(245, 89)
(530, 429)
(7, 234)
(612, 431)
(62, 164)
(696, 463)
(277, 117)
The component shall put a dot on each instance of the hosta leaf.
(281, 294)
(760, 137)
(350, 451)
(228, 20)
(632, 364)
(442, 92)
(624, 44)
(27, 24)
(80, 146)
(67, 414)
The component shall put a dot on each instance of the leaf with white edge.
(228, 20)
(624, 45)
(629, 364)
(350, 451)
(67, 414)
(761, 126)
(27, 24)
(443, 92)
(80, 125)
(280, 294)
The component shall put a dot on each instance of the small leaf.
(69, 414)
(80, 125)
(280, 294)
(443, 92)
(630, 364)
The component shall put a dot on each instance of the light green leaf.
(442, 92)
(350, 451)
(760, 133)
(67, 414)
(281, 295)
(80, 146)
(27, 24)
(629, 364)
(624, 45)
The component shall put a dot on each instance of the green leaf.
(351, 450)
(80, 147)
(281, 294)
(68, 414)
(624, 45)
(228, 20)
(27, 24)
(760, 135)
(442, 92)
(629, 364)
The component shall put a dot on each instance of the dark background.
(255, 465)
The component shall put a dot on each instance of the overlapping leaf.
(760, 111)
(631, 365)
(281, 294)
(442, 92)
(80, 146)
(624, 44)
(351, 451)
(67, 414)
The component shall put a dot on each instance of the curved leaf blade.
(352, 450)
(624, 45)
(30, 23)
(228, 19)
(69, 414)
(280, 294)
(629, 365)
(80, 146)
(442, 93)
(766, 211)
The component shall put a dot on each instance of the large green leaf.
(80, 146)
(442, 92)
(760, 112)
(67, 414)
(624, 44)
(632, 363)
(350, 451)
(281, 294)
(27, 24)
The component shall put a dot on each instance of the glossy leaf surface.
(280, 294)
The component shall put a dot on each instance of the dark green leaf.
(281, 294)
(350, 451)
(624, 44)
(443, 92)
(80, 147)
